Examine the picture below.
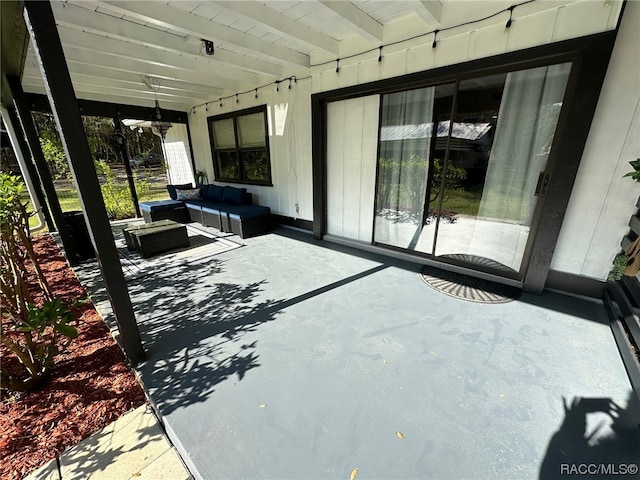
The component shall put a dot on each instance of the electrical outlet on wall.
(297, 208)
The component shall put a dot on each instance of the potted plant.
(201, 178)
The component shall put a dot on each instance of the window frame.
(238, 150)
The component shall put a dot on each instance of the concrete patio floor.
(292, 358)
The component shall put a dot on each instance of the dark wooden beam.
(15, 42)
(121, 141)
(39, 103)
(31, 135)
(48, 48)
(31, 168)
(319, 164)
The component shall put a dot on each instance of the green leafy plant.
(619, 264)
(55, 157)
(34, 326)
(116, 194)
(201, 177)
(635, 174)
(403, 182)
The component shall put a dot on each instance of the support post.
(31, 135)
(121, 141)
(31, 169)
(48, 48)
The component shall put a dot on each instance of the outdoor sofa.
(229, 209)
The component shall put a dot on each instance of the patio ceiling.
(131, 51)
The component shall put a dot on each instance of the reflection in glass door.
(461, 166)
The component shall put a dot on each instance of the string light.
(508, 25)
(422, 35)
(206, 107)
(292, 80)
(434, 44)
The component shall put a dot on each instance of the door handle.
(543, 183)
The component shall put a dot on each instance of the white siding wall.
(602, 199)
(592, 228)
(534, 24)
(352, 142)
(289, 141)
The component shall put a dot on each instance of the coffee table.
(156, 237)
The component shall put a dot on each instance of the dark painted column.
(31, 135)
(319, 161)
(121, 140)
(31, 169)
(46, 42)
(585, 84)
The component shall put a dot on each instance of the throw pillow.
(191, 194)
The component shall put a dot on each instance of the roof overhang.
(15, 44)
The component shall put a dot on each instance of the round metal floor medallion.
(468, 288)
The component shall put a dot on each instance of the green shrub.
(34, 325)
(619, 264)
(116, 194)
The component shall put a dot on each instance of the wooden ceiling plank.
(430, 11)
(83, 18)
(364, 25)
(282, 25)
(179, 20)
(107, 74)
(73, 39)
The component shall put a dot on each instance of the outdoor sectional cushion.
(246, 211)
(199, 203)
(160, 205)
(212, 192)
(234, 195)
(172, 189)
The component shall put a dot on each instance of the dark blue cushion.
(247, 211)
(196, 203)
(233, 195)
(172, 189)
(160, 205)
(212, 192)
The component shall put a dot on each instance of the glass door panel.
(406, 165)
(500, 142)
(459, 166)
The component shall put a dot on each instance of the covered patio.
(296, 358)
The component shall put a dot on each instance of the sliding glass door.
(462, 165)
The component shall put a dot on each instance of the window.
(240, 146)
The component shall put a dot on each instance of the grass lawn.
(69, 201)
(462, 202)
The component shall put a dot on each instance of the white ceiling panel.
(111, 45)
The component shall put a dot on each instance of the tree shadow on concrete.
(100, 451)
(193, 328)
(575, 452)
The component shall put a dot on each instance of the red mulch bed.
(90, 387)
